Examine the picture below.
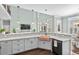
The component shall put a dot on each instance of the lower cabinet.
(5, 47)
(31, 43)
(27, 44)
(18, 46)
(45, 44)
(34, 43)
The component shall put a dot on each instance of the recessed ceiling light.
(45, 9)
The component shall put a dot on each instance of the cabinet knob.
(43, 42)
(31, 42)
(18, 49)
(18, 44)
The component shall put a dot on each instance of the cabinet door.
(18, 46)
(45, 44)
(0, 49)
(31, 43)
(34, 43)
(6, 47)
(66, 47)
(27, 44)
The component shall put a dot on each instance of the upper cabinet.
(45, 23)
(58, 24)
(65, 25)
(70, 24)
(38, 22)
(73, 27)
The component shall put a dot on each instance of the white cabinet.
(57, 24)
(31, 43)
(18, 46)
(34, 43)
(0, 50)
(27, 44)
(66, 47)
(45, 44)
(5, 47)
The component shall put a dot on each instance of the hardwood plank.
(36, 52)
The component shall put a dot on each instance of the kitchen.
(23, 30)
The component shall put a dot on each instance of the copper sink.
(44, 37)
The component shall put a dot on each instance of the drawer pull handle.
(31, 42)
(18, 44)
(18, 49)
(43, 42)
(0, 47)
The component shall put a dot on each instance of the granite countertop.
(31, 36)
(60, 38)
(18, 37)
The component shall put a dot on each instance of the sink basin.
(44, 38)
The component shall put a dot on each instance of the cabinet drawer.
(45, 42)
(45, 45)
(18, 41)
(17, 50)
(18, 46)
(5, 43)
(6, 51)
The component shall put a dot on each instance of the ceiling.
(52, 9)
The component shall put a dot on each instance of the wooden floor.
(75, 50)
(36, 52)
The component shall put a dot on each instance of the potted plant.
(2, 30)
(14, 31)
(33, 30)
